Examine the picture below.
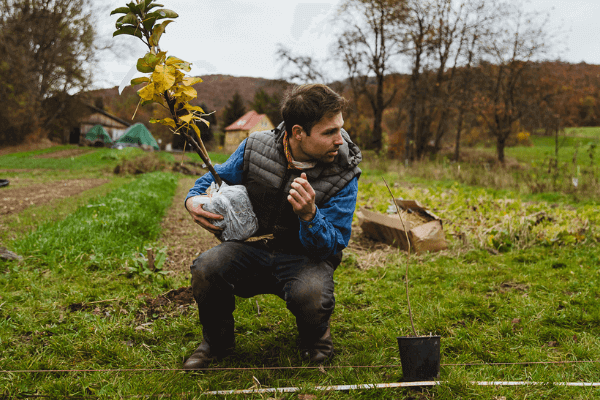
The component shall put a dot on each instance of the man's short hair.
(306, 105)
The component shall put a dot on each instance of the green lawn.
(590, 132)
(519, 283)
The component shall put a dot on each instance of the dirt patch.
(173, 303)
(183, 238)
(506, 287)
(20, 194)
(64, 153)
(369, 253)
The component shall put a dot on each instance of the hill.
(215, 92)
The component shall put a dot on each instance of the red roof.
(246, 122)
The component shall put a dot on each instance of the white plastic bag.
(232, 202)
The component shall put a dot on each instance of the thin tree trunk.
(458, 133)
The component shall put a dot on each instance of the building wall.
(264, 125)
(114, 128)
(234, 138)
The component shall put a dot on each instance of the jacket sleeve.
(230, 172)
(329, 231)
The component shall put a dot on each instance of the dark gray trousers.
(245, 270)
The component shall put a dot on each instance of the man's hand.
(302, 198)
(202, 217)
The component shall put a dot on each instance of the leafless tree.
(441, 38)
(299, 68)
(367, 48)
(518, 39)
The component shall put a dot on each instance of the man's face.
(324, 141)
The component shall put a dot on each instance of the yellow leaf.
(163, 77)
(164, 121)
(196, 129)
(179, 76)
(157, 33)
(192, 80)
(147, 92)
(205, 121)
(174, 60)
(193, 108)
(187, 118)
(190, 91)
(183, 94)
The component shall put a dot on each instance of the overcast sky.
(240, 37)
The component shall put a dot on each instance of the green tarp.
(98, 132)
(138, 134)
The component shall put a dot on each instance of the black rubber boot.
(321, 350)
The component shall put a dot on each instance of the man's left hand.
(302, 198)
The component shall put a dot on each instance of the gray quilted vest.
(268, 181)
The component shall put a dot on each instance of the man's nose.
(339, 140)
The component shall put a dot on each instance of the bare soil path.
(21, 193)
(183, 238)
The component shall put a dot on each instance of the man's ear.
(297, 132)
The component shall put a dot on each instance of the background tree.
(299, 68)
(506, 77)
(47, 47)
(371, 41)
(265, 104)
(234, 110)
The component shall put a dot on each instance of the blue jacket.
(326, 234)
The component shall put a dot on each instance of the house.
(243, 127)
(113, 125)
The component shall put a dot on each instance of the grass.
(515, 291)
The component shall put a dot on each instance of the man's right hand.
(202, 217)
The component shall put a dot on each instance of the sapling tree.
(166, 81)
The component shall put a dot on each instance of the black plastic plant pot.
(3, 182)
(420, 357)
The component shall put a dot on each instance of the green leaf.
(157, 33)
(149, 62)
(153, 5)
(163, 13)
(128, 30)
(120, 10)
(119, 22)
(149, 23)
(137, 81)
(130, 18)
(132, 7)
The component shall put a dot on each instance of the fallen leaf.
(516, 321)
(306, 397)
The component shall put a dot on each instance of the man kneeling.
(302, 180)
